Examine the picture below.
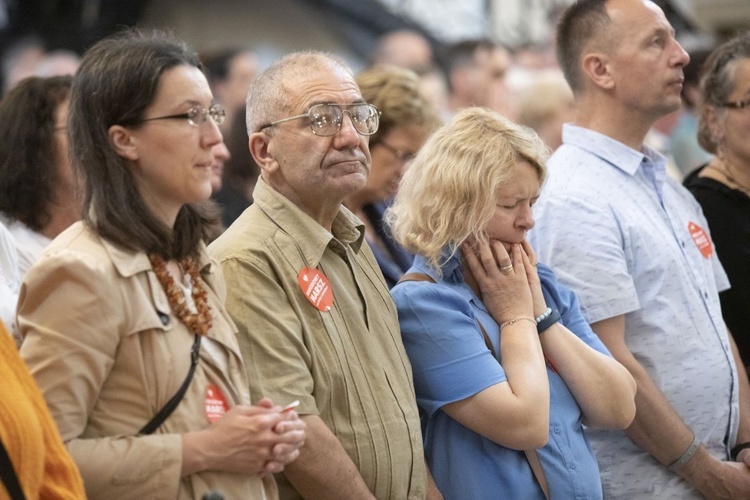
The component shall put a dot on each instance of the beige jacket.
(108, 353)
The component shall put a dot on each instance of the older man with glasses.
(316, 322)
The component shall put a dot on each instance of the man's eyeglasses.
(736, 104)
(404, 156)
(326, 119)
(196, 116)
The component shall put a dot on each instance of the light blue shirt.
(631, 241)
(451, 362)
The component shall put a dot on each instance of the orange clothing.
(42, 464)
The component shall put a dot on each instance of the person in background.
(19, 61)
(229, 73)
(40, 195)
(10, 281)
(686, 150)
(406, 120)
(476, 72)
(635, 247)
(57, 63)
(38, 459)
(221, 156)
(123, 317)
(412, 50)
(240, 173)
(316, 322)
(404, 48)
(722, 186)
(545, 105)
(503, 360)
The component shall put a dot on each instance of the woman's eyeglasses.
(196, 116)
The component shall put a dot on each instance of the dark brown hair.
(28, 170)
(578, 25)
(116, 82)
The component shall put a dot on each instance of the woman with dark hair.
(39, 195)
(123, 318)
(722, 186)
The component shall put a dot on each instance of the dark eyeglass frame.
(404, 156)
(736, 104)
(216, 112)
(343, 108)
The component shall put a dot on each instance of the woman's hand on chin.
(501, 278)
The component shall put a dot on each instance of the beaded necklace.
(198, 322)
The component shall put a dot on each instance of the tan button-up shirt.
(108, 353)
(348, 364)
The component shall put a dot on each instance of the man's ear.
(259, 145)
(122, 141)
(597, 69)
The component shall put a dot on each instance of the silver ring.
(506, 269)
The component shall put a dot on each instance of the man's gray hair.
(268, 93)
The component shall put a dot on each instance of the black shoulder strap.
(8, 475)
(168, 408)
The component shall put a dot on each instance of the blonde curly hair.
(448, 193)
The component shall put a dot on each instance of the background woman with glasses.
(126, 312)
(722, 186)
(406, 120)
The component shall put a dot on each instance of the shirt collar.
(311, 238)
(452, 275)
(617, 154)
(131, 262)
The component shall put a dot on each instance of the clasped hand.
(258, 439)
(506, 277)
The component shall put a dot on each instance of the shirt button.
(573, 465)
(164, 318)
(683, 244)
(557, 430)
(705, 295)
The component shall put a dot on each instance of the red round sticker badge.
(216, 403)
(315, 287)
(701, 239)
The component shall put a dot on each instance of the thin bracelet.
(544, 315)
(685, 458)
(512, 321)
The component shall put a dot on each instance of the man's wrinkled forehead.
(321, 81)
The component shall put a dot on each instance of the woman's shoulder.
(79, 250)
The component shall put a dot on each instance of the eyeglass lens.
(198, 115)
(326, 119)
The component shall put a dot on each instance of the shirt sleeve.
(562, 298)
(270, 335)
(586, 246)
(449, 357)
(67, 315)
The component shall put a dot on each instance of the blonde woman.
(503, 360)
